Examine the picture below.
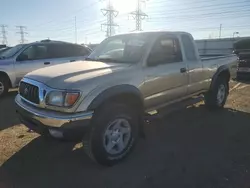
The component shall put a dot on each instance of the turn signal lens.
(70, 99)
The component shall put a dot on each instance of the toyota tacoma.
(104, 98)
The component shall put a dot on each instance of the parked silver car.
(24, 58)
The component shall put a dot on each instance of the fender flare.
(223, 68)
(115, 91)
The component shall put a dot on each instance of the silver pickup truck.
(104, 99)
(23, 58)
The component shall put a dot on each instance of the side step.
(161, 112)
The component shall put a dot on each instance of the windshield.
(12, 51)
(121, 49)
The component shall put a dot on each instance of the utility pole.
(4, 34)
(220, 31)
(111, 13)
(75, 31)
(138, 15)
(22, 33)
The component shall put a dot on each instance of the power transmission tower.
(220, 31)
(4, 34)
(75, 31)
(111, 13)
(138, 16)
(22, 33)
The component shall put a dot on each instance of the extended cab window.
(189, 48)
(165, 50)
(34, 52)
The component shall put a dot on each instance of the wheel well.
(5, 75)
(123, 98)
(128, 99)
(225, 74)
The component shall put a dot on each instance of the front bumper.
(41, 120)
(243, 75)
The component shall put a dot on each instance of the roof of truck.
(155, 32)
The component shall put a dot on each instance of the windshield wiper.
(101, 59)
(90, 59)
(110, 60)
(107, 60)
(2, 57)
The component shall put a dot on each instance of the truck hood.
(71, 75)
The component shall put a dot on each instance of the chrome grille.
(244, 63)
(29, 92)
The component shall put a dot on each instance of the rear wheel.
(113, 135)
(216, 97)
(4, 86)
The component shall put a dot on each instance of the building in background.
(217, 46)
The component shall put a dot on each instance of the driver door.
(166, 78)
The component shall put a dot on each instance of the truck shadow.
(7, 110)
(190, 148)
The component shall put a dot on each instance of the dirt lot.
(192, 147)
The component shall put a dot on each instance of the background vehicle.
(4, 49)
(2, 46)
(242, 49)
(105, 98)
(24, 58)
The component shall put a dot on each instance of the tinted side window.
(67, 50)
(189, 48)
(165, 50)
(35, 52)
(77, 50)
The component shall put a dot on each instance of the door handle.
(182, 70)
(46, 63)
(72, 60)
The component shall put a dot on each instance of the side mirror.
(22, 57)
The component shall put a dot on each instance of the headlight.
(62, 99)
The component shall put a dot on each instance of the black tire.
(211, 100)
(93, 142)
(5, 83)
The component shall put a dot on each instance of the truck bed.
(215, 56)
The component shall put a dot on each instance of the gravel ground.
(192, 147)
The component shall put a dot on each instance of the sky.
(56, 19)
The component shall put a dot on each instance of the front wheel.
(216, 97)
(4, 86)
(113, 135)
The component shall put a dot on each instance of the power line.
(208, 15)
(44, 24)
(111, 13)
(138, 15)
(22, 33)
(202, 7)
(212, 10)
(4, 34)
